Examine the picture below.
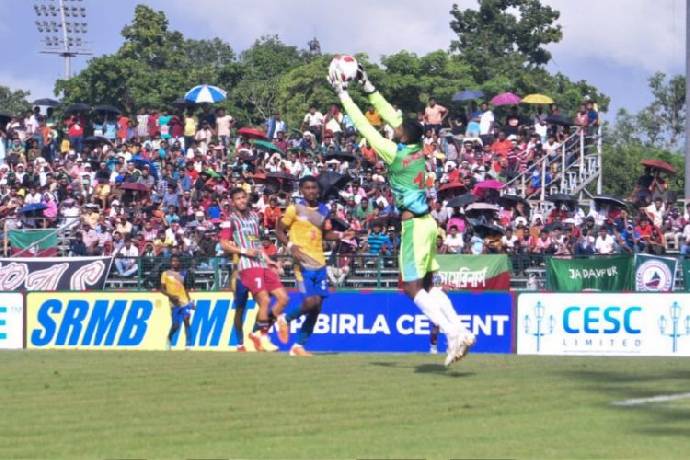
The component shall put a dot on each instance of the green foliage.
(499, 48)
(500, 32)
(14, 102)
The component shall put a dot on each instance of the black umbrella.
(339, 225)
(462, 200)
(340, 156)
(481, 209)
(107, 109)
(97, 140)
(78, 107)
(331, 183)
(510, 201)
(47, 102)
(610, 201)
(553, 226)
(5, 118)
(280, 181)
(561, 198)
(484, 230)
(558, 120)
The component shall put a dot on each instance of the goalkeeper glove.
(363, 79)
(338, 85)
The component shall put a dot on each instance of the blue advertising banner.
(351, 321)
(375, 321)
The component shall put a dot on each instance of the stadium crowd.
(156, 183)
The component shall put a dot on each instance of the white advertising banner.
(11, 320)
(612, 324)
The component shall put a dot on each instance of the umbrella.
(78, 107)
(506, 98)
(97, 140)
(5, 118)
(268, 146)
(510, 201)
(47, 102)
(467, 95)
(480, 209)
(340, 156)
(107, 109)
(661, 165)
(33, 208)
(537, 99)
(339, 225)
(609, 200)
(280, 181)
(553, 226)
(252, 133)
(484, 229)
(490, 184)
(205, 93)
(558, 120)
(568, 200)
(331, 183)
(462, 200)
(134, 186)
(450, 190)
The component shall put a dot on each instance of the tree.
(504, 33)
(14, 102)
(663, 121)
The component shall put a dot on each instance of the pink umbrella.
(506, 98)
(481, 187)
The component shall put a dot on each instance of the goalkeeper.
(407, 171)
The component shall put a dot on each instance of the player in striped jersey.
(254, 271)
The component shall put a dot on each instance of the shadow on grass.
(439, 369)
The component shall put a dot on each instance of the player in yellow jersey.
(302, 229)
(181, 305)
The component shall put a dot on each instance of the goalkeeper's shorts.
(418, 248)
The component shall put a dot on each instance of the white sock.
(432, 308)
(442, 299)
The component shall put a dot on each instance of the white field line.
(653, 399)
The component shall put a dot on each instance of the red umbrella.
(252, 133)
(506, 98)
(487, 185)
(451, 189)
(134, 186)
(661, 165)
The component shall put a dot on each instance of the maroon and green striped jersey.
(246, 233)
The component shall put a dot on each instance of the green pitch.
(222, 405)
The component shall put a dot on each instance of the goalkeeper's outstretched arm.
(385, 148)
(383, 107)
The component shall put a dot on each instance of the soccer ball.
(343, 67)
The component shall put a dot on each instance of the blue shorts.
(180, 313)
(312, 282)
(241, 294)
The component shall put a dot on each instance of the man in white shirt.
(454, 241)
(313, 121)
(125, 261)
(605, 243)
(656, 211)
(508, 241)
(486, 121)
(223, 124)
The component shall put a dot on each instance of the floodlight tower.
(63, 26)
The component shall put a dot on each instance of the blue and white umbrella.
(205, 94)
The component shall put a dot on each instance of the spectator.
(125, 261)
(378, 241)
(434, 115)
(605, 243)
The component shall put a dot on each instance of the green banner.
(654, 273)
(28, 243)
(610, 273)
(491, 271)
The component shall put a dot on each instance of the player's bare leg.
(259, 335)
(281, 301)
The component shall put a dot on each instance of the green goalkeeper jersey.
(406, 163)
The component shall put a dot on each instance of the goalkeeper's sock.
(431, 308)
(447, 309)
(307, 327)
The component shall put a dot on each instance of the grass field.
(68, 404)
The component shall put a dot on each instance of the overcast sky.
(614, 44)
